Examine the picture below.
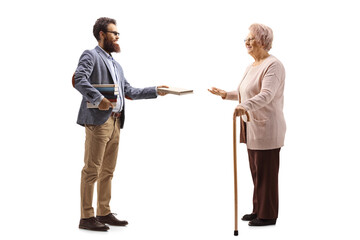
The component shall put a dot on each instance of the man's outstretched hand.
(160, 92)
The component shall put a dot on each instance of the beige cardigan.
(261, 93)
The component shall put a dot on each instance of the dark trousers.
(264, 166)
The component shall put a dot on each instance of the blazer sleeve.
(270, 84)
(139, 93)
(82, 76)
(136, 93)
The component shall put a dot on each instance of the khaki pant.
(101, 149)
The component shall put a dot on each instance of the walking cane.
(235, 171)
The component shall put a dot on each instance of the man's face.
(111, 38)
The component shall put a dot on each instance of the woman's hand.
(218, 92)
(239, 111)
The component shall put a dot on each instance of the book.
(107, 89)
(105, 85)
(176, 91)
(109, 96)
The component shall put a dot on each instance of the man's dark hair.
(101, 25)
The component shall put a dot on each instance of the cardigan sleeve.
(270, 84)
(233, 95)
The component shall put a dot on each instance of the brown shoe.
(249, 217)
(92, 224)
(111, 220)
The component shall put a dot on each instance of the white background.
(174, 174)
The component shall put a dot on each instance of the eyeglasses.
(249, 39)
(115, 33)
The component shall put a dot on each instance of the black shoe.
(92, 224)
(262, 222)
(111, 220)
(249, 217)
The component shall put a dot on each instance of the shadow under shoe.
(262, 222)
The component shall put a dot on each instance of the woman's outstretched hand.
(218, 91)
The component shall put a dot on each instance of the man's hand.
(160, 92)
(218, 91)
(105, 104)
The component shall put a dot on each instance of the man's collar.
(106, 54)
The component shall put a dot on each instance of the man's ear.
(102, 35)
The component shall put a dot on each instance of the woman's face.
(251, 45)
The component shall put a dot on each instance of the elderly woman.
(260, 93)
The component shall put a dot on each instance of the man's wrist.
(98, 101)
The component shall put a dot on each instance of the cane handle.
(246, 114)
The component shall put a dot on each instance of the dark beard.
(111, 46)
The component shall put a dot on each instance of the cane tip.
(236, 233)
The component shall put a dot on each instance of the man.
(102, 124)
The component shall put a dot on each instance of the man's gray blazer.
(93, 68)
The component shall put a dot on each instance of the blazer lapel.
(104, 58)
